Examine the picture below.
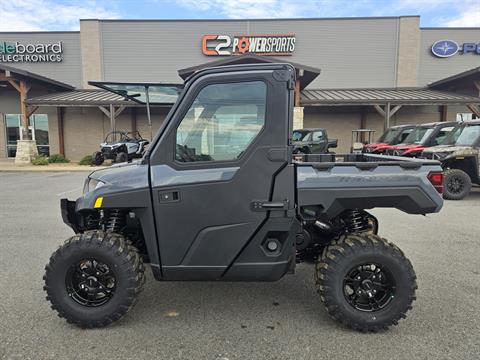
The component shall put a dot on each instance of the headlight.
(92, 184)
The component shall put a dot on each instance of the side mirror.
(332, 143)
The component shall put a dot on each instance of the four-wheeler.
(312, 141)
(393, 136)
(120, 146)
(459, 155)
(195, 209)
(422, 137)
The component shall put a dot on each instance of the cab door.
(214, 167)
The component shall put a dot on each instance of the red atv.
(421, 137)
(393, 136)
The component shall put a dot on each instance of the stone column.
(298, 117)
(26, 151)
(408, 51)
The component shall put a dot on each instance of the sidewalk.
(9, 165)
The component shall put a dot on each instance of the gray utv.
(218, 197)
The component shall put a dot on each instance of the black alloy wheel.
(90, 282)
(369, 287)
(457, 184)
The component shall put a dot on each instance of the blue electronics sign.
(447, 48)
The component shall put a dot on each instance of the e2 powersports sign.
(448, 48)
(226, 45)
(23, 53)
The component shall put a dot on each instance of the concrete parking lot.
(283, 320)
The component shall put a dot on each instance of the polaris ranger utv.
(218, 197)
(459, 155)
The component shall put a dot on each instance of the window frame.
(232, 162)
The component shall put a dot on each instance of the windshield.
(418, 136)
(300, 135)
(388, 135)
(468, 135)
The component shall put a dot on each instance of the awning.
(472, 75)
(306, 73)
(30, 77)
(80, 98)
(397, 96)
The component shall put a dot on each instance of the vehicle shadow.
(292, 298)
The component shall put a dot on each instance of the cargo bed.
(364, 181)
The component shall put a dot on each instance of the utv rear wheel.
(365, 282)
(121, 157)
(457, 184)
(97, 158)
(94, 278)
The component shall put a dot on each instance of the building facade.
(351, 54)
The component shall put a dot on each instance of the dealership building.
(352, 73)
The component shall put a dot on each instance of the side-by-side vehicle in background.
(422, 137)
(120, 146)
(459, 155)
(207, 202)
(312, 141)
(393, 136)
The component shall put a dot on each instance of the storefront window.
(38, 130)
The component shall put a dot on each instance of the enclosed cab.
(218, 197)
(459, 155)
(423, 136)
(312, 141)
(393, 136)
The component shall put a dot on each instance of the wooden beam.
(395, 109)
(477, 85)
(31, 110)
(61, 137)
(105, 111)
(14, 84)
(474, 109)
(444, 114)
(387, 116)
(379, 110)
(119, 110)
(24, 88)
(297, 93)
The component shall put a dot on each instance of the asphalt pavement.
(219, 321)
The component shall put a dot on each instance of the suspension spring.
(116, 220)
(355, 221)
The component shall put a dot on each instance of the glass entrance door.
(38, 129)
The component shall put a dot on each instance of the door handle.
(169, 196)
(269, 205)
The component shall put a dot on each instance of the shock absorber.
(355, 221)
(115, 221)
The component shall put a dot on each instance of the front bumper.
(69, 215)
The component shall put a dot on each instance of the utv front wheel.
(365, 282)
(94, 278)
(457, 184)
(97, 158)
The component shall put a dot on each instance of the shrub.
(86, 160)
(40, 160)
(57, 158)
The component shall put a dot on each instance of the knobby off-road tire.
(121, 157)
(342, 260)
(90, 261)
(97, 158)
(457, 184)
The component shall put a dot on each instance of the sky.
(63, 15)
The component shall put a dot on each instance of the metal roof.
(84, 97)
(309, 72)
(472, 74)
(396, 96)
(29, 76)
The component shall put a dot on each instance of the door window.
(318, 135)
(37, 129)
(222, 122)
